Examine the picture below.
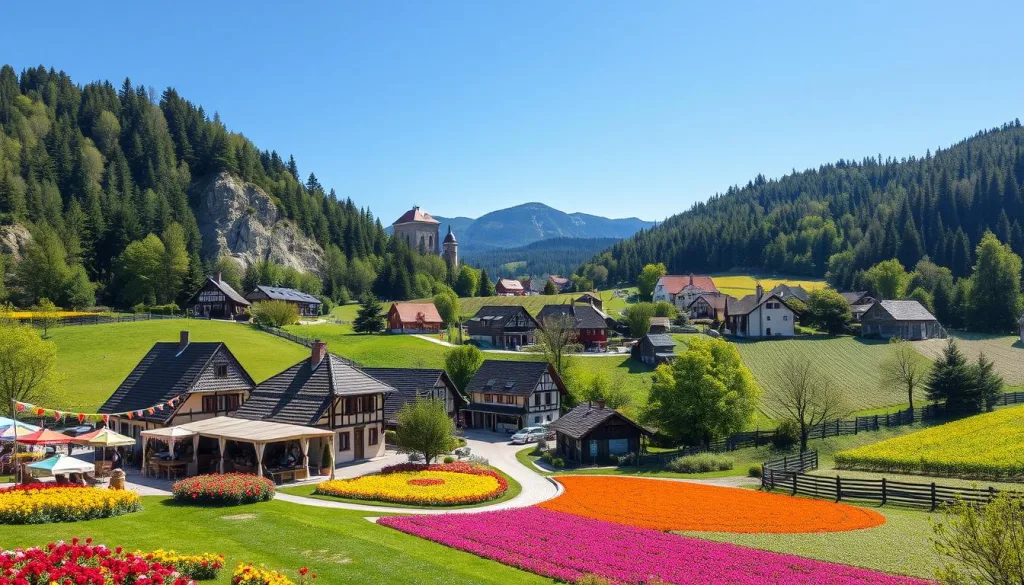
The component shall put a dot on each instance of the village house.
(561, 283)
(507, 396)
(411, 384)
(406, 317)
(217, 300)
(655, 348)
(903, 319)
(502, 327)
(659, 325)
(760, 315)
(509, 287)
(682, 290)
(327, 392)
(708, 306)
(592, 434)
(591, 325)
(307, 304)
(787, 292)
(590, 299)
(859, 303)
(177, 383)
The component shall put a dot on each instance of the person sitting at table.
(294, 455)
(285, 460)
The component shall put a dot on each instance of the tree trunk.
(803, 440)
(910, 395)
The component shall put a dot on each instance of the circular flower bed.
(84, 564)
(674, 505)
(429, 485)
(201, 567)
(46, 503)
(229, 489)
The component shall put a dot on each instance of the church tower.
(451, 250)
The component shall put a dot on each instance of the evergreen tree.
(486, 287)
(995, 303)
(467, 283)
(952, 382)
(370, 317)
(989, 383)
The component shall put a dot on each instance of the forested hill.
(91, 170)
(845, 217)
(541, 258)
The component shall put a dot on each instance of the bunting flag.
(58, 415)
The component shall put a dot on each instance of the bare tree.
(556, 339)
(904, 369)
(807, 398)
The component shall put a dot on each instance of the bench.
(281, 474)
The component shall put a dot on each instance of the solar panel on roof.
(490, 383)
(510, 384)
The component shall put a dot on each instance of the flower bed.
(83, 564)
(249, 574)
(201, 567)
(36, 487)
(35, 504)
(674, 505)
(431, 485)
(567, 547)
(229, 489)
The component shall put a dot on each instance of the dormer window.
(220, 370)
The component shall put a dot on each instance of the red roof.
(415, 214)
(674, 283)
(559, 280)
(510, 284)
(417, 312)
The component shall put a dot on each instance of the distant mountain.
(524, 224)
(541, 258)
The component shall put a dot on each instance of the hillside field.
(95, 359)
(739, 285)
(1005, 351)
(851, 364)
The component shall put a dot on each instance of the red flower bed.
(35, 487)
(83, 564)
(229, 489)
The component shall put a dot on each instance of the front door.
(357, 442)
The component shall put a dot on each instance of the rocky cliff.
(13, 239)
(240, 220)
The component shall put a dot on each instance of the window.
(373, 436)
(488, 398)
(220, 370)
(536, 420)
(785, 317)
(548, 418)
(220, 403)
(547, 398)
(343, 442)
(359, 404)
(536, 399)
(768, 318)
(349, 406)
(209, 403)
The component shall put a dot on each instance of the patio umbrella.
(103, 438)
(7, 430)
(44, 437)
(60, 465)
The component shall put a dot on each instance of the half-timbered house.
(506, 395)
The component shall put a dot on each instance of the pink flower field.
(567, 547)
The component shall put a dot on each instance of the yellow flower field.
(34, 314)
(23, 505)
(989, 446)
(739, 285)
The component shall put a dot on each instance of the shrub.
(390, 437)
(786, 435)
(168, 309)
(449, 459)
(627, 459)
(325, 457)
(546, 457)
(274, 313)
(139, 308)
(558, 462)
(700, 463)
(981, 540)
(754, 471)
(31, 504)
(229, 489)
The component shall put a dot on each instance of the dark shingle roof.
(852, 298)
(661, 340)
(409, 383)
(301, 394)
(747, 304)
(505, 313)
(787, 292)
(906, 311)
(223, 287)
(279, 293)
(586, 316)
(716, 300)
(507, 377)
(583, 419)
(164, 373)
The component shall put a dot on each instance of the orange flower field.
(674, 505)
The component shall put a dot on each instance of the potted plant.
(325, 461)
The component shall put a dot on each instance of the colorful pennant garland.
(83, 416)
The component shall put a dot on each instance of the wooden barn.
(903, 319)
(509, 287)
(414, 318)
(591, 433)
(217, 300)
(307, 304)
(655, 348)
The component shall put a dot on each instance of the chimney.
(600, 404)
(182, 341)
(319, 353)
(760, 291)
(218, 276)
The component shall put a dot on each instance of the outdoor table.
(168, 466)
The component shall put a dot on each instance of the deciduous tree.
(425, 427)
(648, 279)
(904, 368)
(461, 363)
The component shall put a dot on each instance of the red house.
(508, 287)
(413, 318)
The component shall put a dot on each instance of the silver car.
(528, 435)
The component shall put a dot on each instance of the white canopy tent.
(59, 465)
(256, 432)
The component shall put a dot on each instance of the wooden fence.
(789, 474)
(99, 319)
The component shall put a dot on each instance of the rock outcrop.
(240, 220)
(13, 239)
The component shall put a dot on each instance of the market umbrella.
(103, 438)
(44, 437)
(7, 431)
(60, 465)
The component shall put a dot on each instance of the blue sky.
(612, 108)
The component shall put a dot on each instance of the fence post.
(883, 490)
(991, 493)
(876, 422)
(839, 489)
(794, 484)
(934, 505)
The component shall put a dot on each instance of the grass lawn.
(739, 285)
(1005, 351)
(852, 364)
(95, 359)
(340, 546)
(901, 545)
(514, 489)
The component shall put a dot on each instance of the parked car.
(529, 435)
(77, 430)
